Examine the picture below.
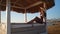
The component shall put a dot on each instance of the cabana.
(25, 6)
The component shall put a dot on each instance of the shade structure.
(31, 6)
(24, 6)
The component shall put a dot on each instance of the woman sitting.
(36, 20)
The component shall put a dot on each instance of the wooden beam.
(35, 4)
(15, 3)
(18, 7)
(14, 6)
(8, 23)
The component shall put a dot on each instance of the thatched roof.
(31, 6)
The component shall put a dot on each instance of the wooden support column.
(8, 25)
(0, 20)
(0, 23)
(0, 14)
(25, 16)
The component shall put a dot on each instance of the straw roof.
(31, 6)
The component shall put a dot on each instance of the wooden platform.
(26, 28)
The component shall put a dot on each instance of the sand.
(54, 29)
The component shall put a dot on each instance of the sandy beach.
(54, 29)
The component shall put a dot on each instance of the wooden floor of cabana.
(19, 28)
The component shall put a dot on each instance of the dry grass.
(55, 29)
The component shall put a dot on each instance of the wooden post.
(0, 20)
(0, 13)
(0, 16)
(8, 25)
(25, 16)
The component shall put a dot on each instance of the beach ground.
(54, 29)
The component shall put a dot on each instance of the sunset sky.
(19, 17)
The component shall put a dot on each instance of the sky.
(52, 13)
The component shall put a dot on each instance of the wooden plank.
(35, 4)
